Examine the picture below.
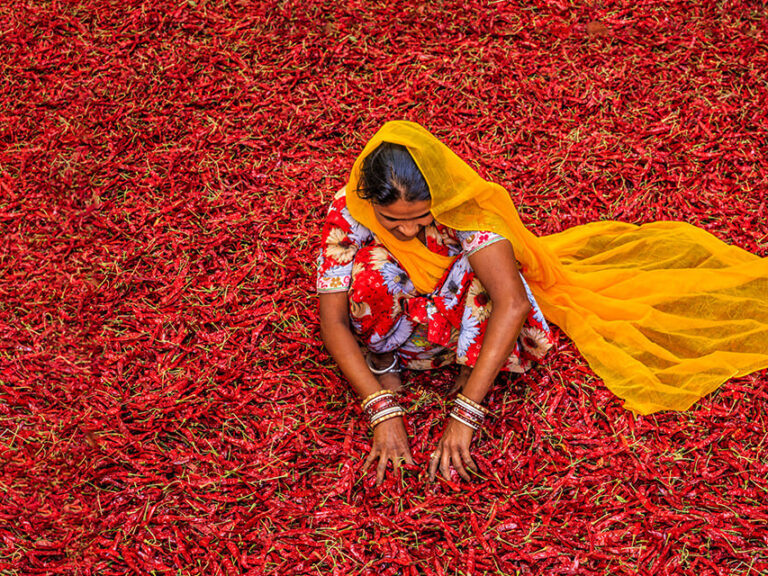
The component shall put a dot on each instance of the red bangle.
(467, 415)
(380, 404)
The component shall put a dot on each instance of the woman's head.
(393, 184)
(389, 173)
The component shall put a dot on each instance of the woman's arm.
(390, 441)
(496, 268)
(338, 339)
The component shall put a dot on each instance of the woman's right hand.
(390, 442)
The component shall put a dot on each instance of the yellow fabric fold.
(664, 313)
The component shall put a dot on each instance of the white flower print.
(357, 268)
(359, 309)
(535, 310)
(358, 233)
(534, 341)
(394, 339)
(480, 310)
(379, 256)
(339, 247)
(469, 332)
(396, 279)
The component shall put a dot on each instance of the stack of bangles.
(381, 406)
(468, 412)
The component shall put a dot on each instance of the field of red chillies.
(166, 405)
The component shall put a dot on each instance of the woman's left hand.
(453, 449)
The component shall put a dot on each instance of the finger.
(459, 465)
(468, 460)
(445, 465)
(434, 462)
(409, 458)
(396, 462)
(381, 469)
(371, 457)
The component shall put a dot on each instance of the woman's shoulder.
(338, 208)
(341, 196)
(342, 236)
(339, 201)
(339, 204)
(473, 240)
(339, 217)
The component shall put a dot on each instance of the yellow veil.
(664, 313)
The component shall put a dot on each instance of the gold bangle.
(474, 404)
(393, 408)
(367, 400)
(387, 417)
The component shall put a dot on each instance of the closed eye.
(390, 219)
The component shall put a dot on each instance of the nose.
(409, 229)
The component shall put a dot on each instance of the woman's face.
(404, 220)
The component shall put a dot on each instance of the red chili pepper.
(471, 562)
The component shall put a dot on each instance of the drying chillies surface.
(166, 405)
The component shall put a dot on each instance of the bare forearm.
(346, 352)
(390, 440)
(504, 327)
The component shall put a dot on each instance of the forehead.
(402, 210)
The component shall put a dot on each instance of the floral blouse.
(343, 236)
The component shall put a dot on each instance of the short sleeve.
(474, 240)
(342, 237)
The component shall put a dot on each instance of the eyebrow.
(402, 219)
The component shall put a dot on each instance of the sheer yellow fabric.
(664, 313)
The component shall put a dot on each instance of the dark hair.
(388, 174)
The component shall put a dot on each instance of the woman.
(363, 289)
(420, 264)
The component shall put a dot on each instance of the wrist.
(468, 412)
(459, 427)
(389, 424)
(474, 397)
(380, 407)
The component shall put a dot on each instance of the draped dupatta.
(664, 312)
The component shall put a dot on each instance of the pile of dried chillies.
(166, 406)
